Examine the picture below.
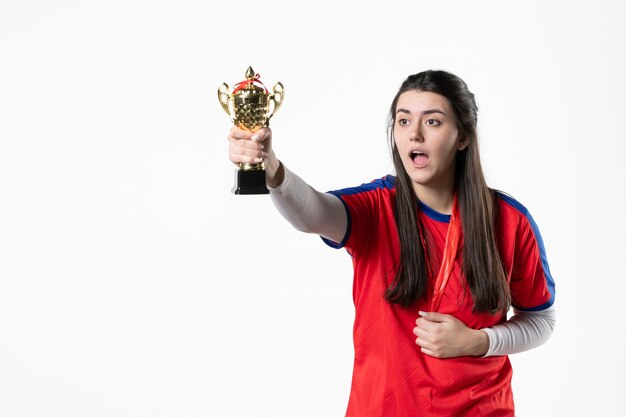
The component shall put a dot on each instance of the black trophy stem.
(250, 182)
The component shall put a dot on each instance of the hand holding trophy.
(249, 108)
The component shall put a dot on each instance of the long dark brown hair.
(482, 265)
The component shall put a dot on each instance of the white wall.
(132, 283)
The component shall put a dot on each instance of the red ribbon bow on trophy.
(252, 80)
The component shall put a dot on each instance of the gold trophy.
(249, 108)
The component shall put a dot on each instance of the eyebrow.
(429, 111)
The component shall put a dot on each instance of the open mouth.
(419, 158)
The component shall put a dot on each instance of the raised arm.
(305, 208)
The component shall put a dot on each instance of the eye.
(403, 122)
(433, 122)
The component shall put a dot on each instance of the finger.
(247, 155)
(247, 149)
(240, 159)
(427, 326)
(421, 333)
(434, 317)
(422, 342)
(237, 133)
(261, 135)
(247, 159)
(430, 353)
(426, 345)
(243, 150)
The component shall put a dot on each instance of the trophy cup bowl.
(250, 107)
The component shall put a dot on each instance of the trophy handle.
(224, 97)
(277, 98)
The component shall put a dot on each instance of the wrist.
(274, 171)
(479, 343)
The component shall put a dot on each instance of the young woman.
(439, 258)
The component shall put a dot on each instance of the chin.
(419, 179)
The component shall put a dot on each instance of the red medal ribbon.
(453, 237)
(245, 83)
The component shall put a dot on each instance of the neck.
(439, 199)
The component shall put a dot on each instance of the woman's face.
(427, 138)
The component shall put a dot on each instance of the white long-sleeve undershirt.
(311, 211)
(525, 330)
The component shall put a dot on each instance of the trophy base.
(250, 182)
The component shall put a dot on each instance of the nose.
(416, 135)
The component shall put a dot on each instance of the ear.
(463, 142)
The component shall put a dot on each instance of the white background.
(133, 283)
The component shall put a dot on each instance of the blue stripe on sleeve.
(387, 182)
(542, 251)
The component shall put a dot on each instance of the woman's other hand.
(445, 336)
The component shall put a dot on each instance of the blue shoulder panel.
(387, 182)
(542, 251)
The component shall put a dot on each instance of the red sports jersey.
(391, 376)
